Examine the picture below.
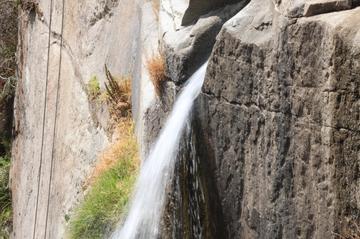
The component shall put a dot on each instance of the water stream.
(146, 207)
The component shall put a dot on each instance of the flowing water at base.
(147, 204)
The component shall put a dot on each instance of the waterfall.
(148, 201)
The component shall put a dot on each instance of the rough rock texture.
(187, 48)
(188, 211)
(273, 151)
(308, 8)
(143, 93)
(197, 8)
(278, 124)
(47, 178)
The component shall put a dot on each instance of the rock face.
(187, 48)
(57, 142)
(278, 123)
(272, 150)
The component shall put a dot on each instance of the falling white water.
(148, 200)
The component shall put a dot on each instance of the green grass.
(106, 200)
(5, 198)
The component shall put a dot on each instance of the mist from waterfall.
(147, 205)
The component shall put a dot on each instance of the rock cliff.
(279, 113)
(275, 138)
(272, 148)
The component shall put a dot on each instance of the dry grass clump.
(113, 178)
(119, 95)
(156, 68)
(156, 8)
(353, 232)
(126, 142)
(109, 187)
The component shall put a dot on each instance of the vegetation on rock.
(352, 232)
(156, 68)
(118, 92)
(8, 43)
(5, 198)
(111, 183)
(93, 88)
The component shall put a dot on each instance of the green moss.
(105, 203)
(93, 87)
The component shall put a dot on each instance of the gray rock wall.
(273, 151)
(279, 113)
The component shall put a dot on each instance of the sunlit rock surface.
(273, 147)
(279, 117)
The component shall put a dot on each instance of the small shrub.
(93, 88)
(119, 95)
(111, 185)
(156, 69)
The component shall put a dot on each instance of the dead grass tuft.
(156, 68)
(118, 95)
(126, 142)
(353, 232)
(156, 8)
(109, 188)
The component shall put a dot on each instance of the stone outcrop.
(273, 150)
(187, 48)
(278, 123)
